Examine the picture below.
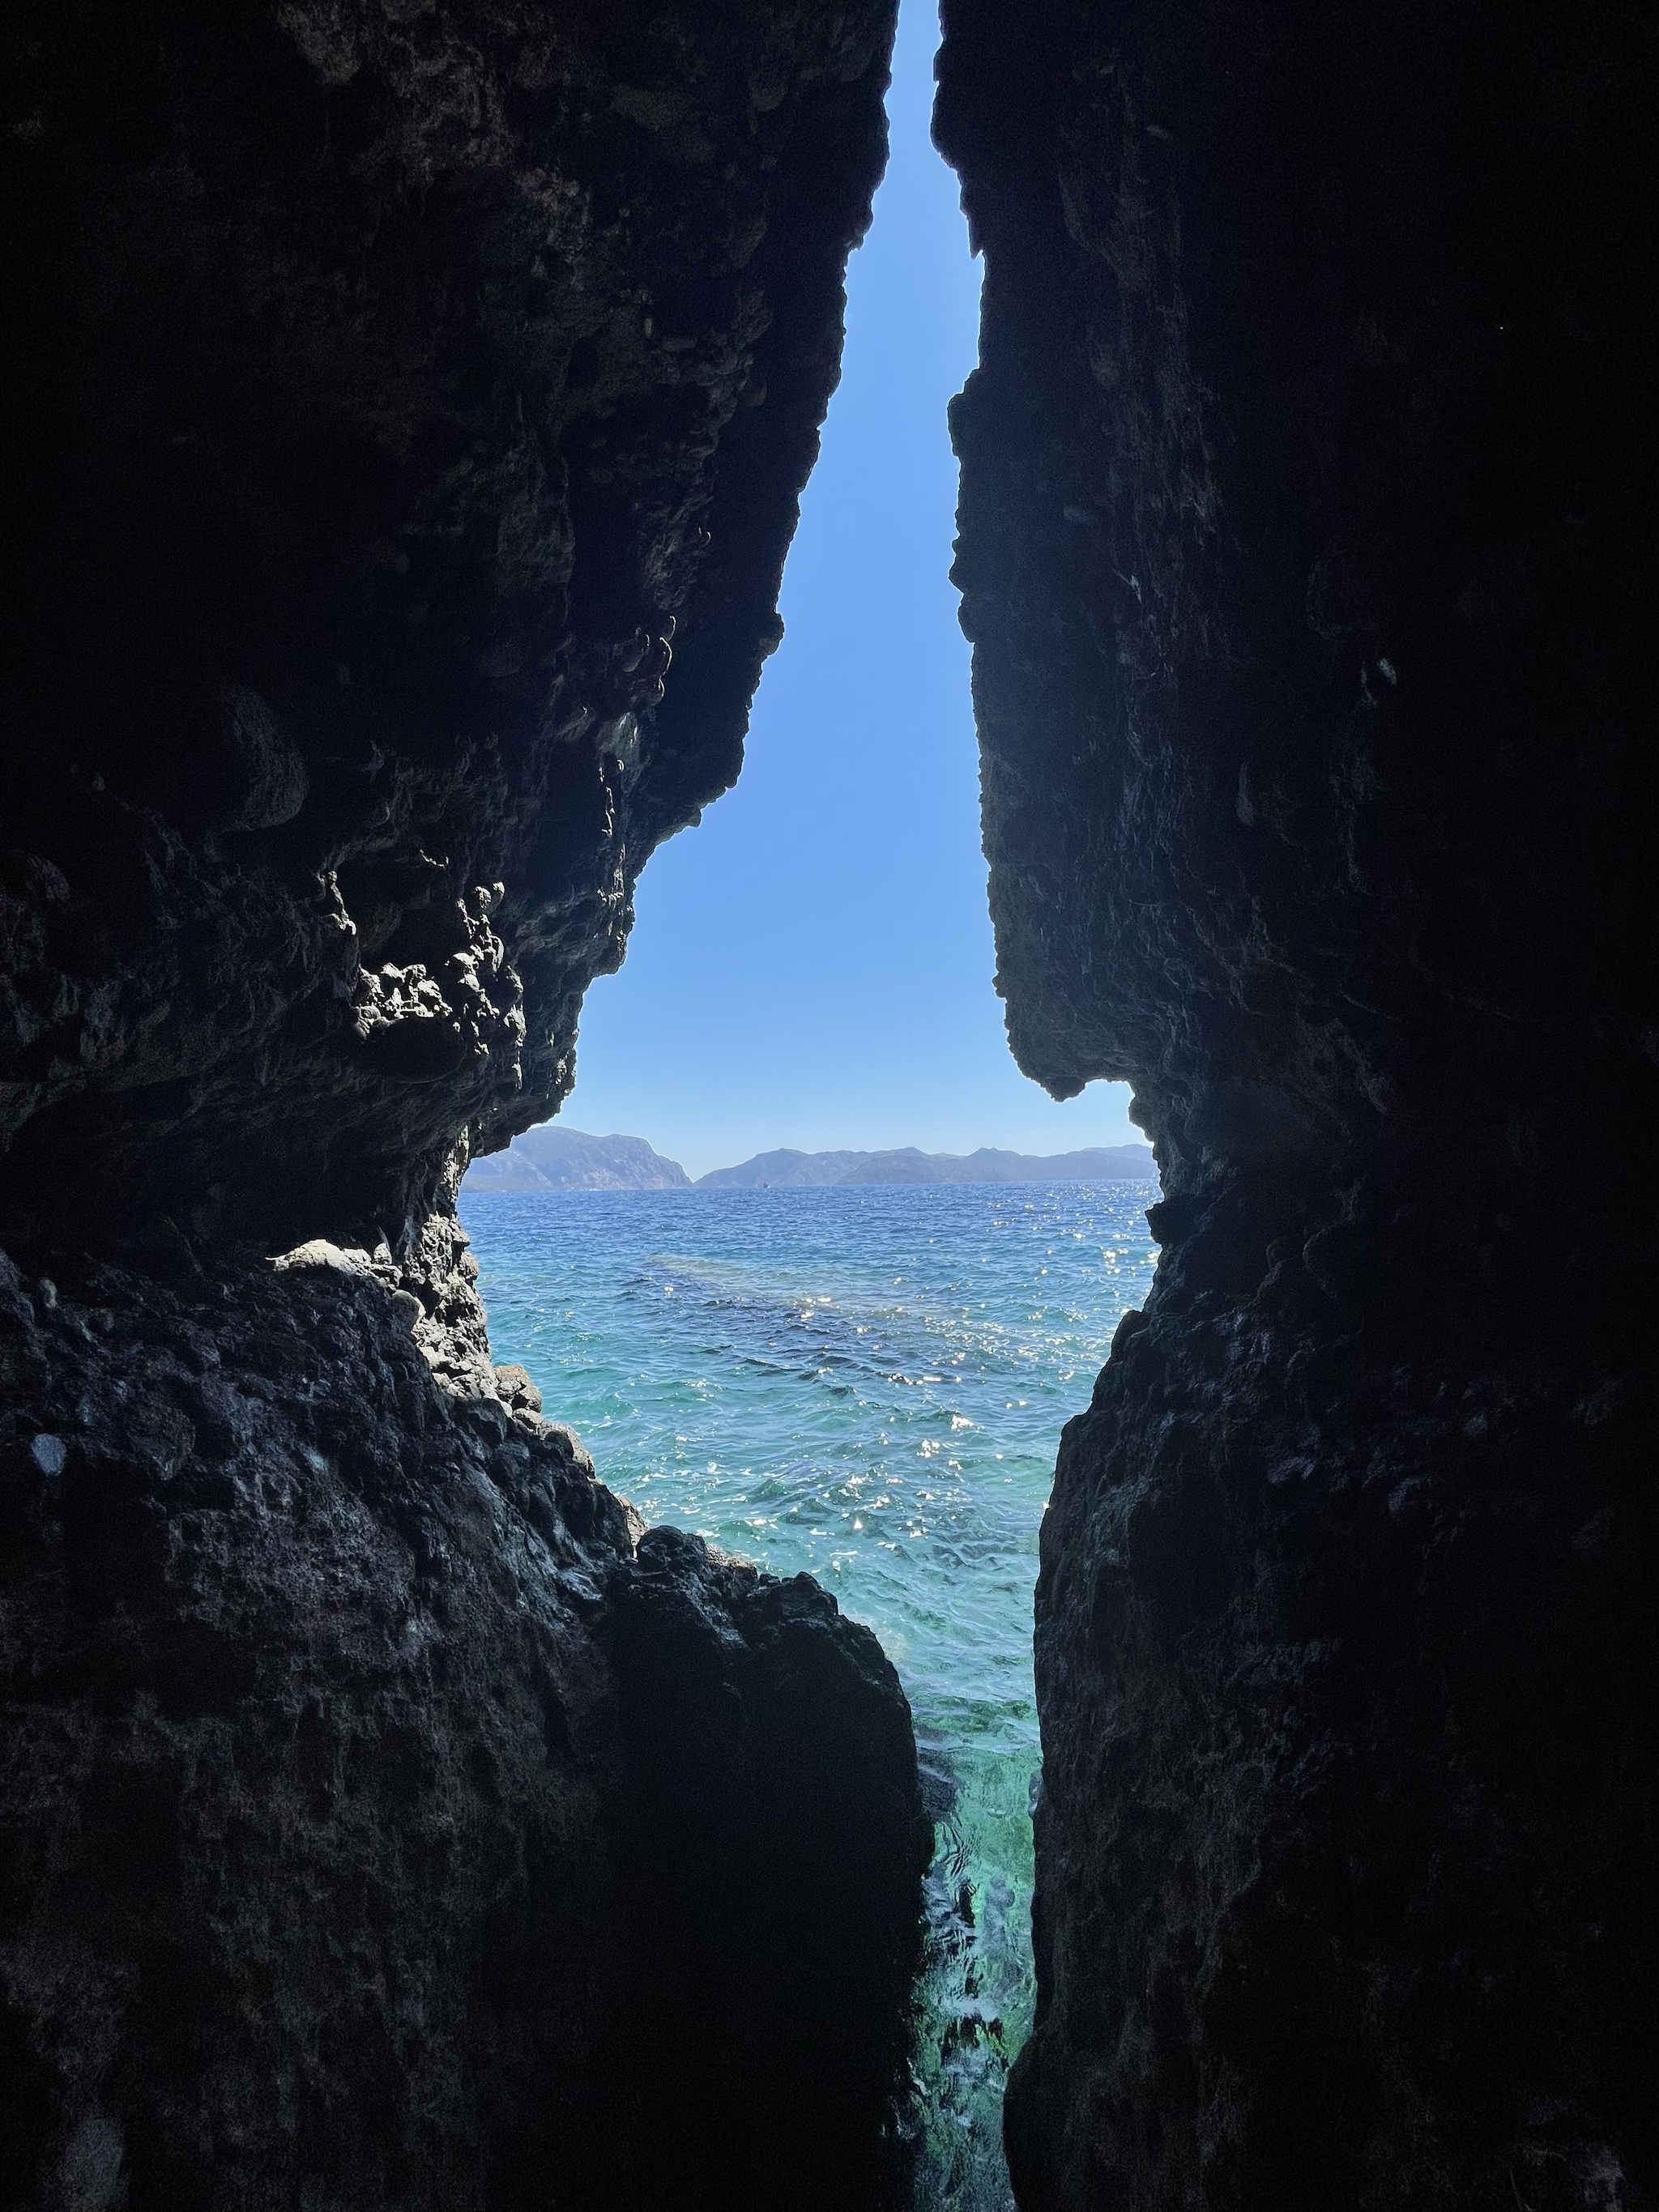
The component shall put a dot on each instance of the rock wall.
(401, 390)
(405, 414)
(1307, 548)
(384, 1819)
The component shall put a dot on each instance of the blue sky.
(811, 966)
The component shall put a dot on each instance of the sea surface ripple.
(870, 1385)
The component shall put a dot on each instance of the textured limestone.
(404, 409)
(381, 1823)
(401, 390)
(1307, 552)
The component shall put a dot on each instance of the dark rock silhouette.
(1307, 547)
(395, 392)
(392, 394)
(400, 393)
(382, 1814)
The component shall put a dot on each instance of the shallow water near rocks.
(868, 1384)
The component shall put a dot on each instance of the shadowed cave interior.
(403, 434)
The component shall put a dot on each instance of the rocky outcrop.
(403, 389)
(1308, 553)
(385, 1821)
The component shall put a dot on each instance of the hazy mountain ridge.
(552, 1158)
(784, 1170)
(1096, 1163)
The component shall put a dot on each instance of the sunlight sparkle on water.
(899, 1447)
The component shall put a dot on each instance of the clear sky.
(812, 965)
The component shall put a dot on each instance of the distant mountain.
(1100, 1163)
(789, 1170)
(784, 1170)
(552, 1158)
(555, 1159)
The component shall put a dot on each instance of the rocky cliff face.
(396, 392)
(385, 1821)
(401, 390)
(1308, 552)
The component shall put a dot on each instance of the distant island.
(784, 1171)
(553, 1159)
(1099, 1164)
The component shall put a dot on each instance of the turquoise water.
(869, 1384)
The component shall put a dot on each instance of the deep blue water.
(870, 1385)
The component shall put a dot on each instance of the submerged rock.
(1307, 548)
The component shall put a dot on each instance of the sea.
(869, 1383)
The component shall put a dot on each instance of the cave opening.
(403, 438)
(865, 1384)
